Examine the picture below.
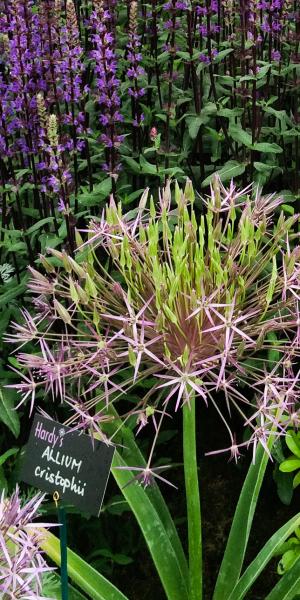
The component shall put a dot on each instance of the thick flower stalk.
(22, 565)
(200, 304)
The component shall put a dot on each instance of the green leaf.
(222, 55)
(296, 480)
(279, 114)
(290, 464)
(273, 353)
(287, 560)
(132, 164)
(267, 148)
(152, 515)
(12, 293)
(100, 192)
(264, 556)
(82, 574)
(240, 135)
(7, 454)
(194, 126)
(288, 586)
(8, 414)
(230, 113)
(231, 169)
(157, 538)
(210, 108)
(146, 167)
(39, 224)
(264, 167)
(21, 173)
(288, 209)
(293, 443)
(234, 554)
(263, 71)
(284, 482)
(52, 588)
(272, 283)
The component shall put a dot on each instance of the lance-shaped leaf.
(264, 556)
(86, 577)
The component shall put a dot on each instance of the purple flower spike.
(135, 71)
(107, 83)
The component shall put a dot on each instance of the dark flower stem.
(172, 52)
(220, 120)
(196, 91)
(154, 49)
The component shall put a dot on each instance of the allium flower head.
(197, 305)
(21, 562)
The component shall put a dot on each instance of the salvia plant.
(199, 297)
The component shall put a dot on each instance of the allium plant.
(199, 302)
(22, 564)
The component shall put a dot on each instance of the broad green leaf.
(290, 464)
(296, 480)
(288, 586)
(172, 172)
(39, 224)
(264, 167)
(16, 247)
(267, 147)
(147, 167)
(222, 55)
(279, 114)
(240, 135)
(231, 169)
(7, 454)
(293, 443)
(210, 108)
(8, 414)
(264, 556)
(263, 71)
(230, 113)
(100, 192)
(132, 164)
(184, 55)
(288, 209)
(13, 292)
(287, 560)
(194, 126)
(82, 574)
(234, 554)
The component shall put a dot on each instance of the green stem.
(192, 500)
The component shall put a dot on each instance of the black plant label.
(59, 459)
